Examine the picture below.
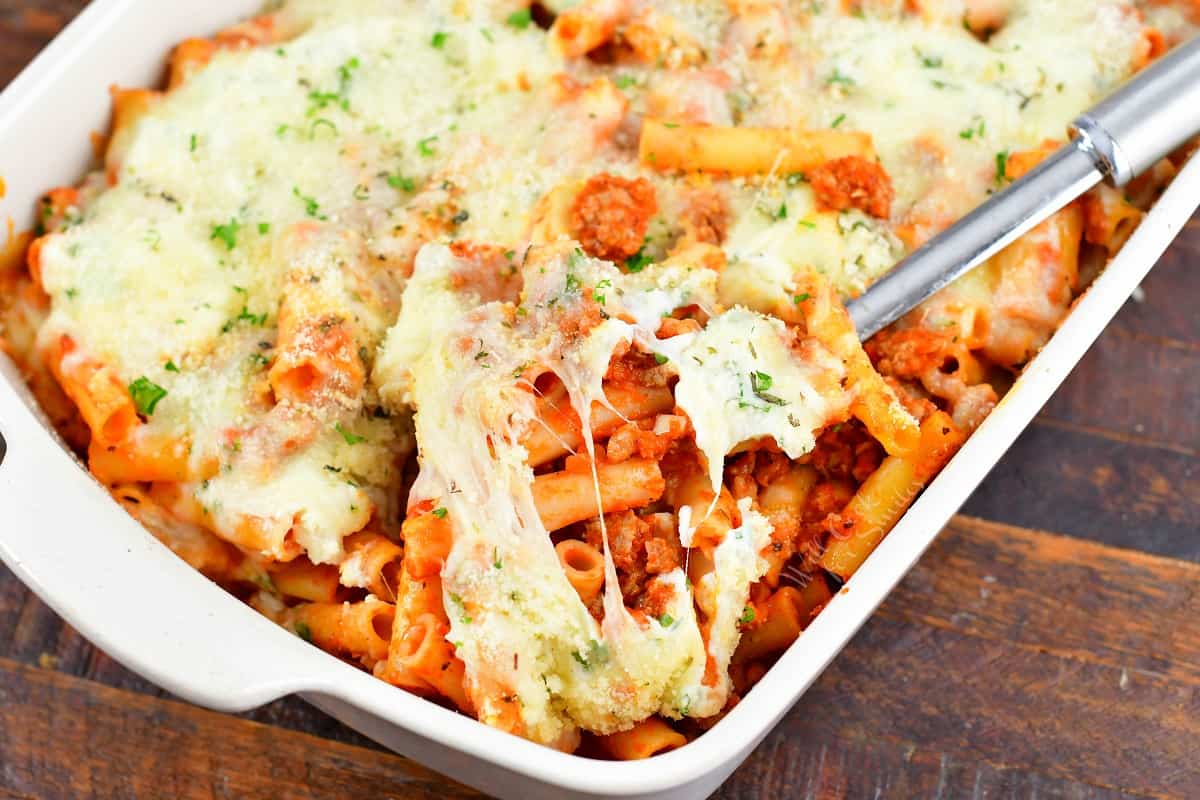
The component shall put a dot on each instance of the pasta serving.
(500, 350)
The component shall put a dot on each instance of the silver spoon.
(1154, 113)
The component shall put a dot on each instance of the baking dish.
(64, 537)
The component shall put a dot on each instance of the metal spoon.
(1147, 118)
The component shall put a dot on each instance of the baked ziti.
(500, 350)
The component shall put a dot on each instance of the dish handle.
(65, 538)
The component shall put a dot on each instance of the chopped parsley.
(304, 632)
(351, 438)
(625, 81)
(571, 284)
(321, 123)
(638, 261)
(320, 100)
(760, 382)
(838, 120)
(192, 144)
(458, 601)
(747, 615)
(597, 294)
(440, 513)
(666, 620)
(425, 146)
(170, 366)
(660, 359)
(838, 78)
(397, 181)
(520, 19)
(227, 233)
(264, 228)
(311, 207)
(928, 61)
(146, 394)
(438, 40)
(973, 131)
(800, 298)
(1002, 166)
(597, 655)
(244, 315)
(496, 562)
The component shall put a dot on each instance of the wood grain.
(1167, 310)
(1059, 595)
(25, 28)
(110, 743)
(1097, 484)
(1125, 383)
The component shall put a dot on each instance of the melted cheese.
(738, 381)
(516, 620)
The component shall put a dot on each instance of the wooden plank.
(1092, 484)
(25, 28)
(1140, 387)
(828, 765)
(1164, 310)
(979, 700)
(1056, 594)
(66, 737)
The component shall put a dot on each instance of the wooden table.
(1048, 644)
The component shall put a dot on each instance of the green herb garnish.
(351, 438)
(520, 19)
(638, 261)
(1001, 166)
(401, 182)
(227, 233)
(146, 394)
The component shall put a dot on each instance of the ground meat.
(662, 555)
(611, 214)
(627, 535)
(846, 452)
(705, 218)
(855, 182)
(637, 368)
(657, 598)
(907, 353)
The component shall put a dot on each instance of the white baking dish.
(63, 536)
